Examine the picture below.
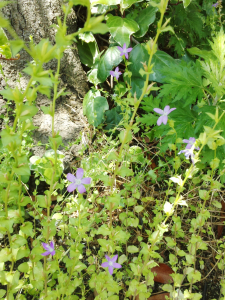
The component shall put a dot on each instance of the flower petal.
(159, 111)
(159, 121)
(112, 73)
(166, 109)
(71, 187)
(107, 257)
(80, 173)
(129, 49)
(126, 55)
(171, 110)
(86, 180)
(124, 46)
(186, 141)
(116, 265)
(81, 189)
(52, 244)
(117, 69)
(105, 264)
(46, 253)
(164, 119)
(114, 258)
(71, 177)
(45, 246)
(120, 49)
(110, 268)
(53, 252)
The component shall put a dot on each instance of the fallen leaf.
(163, 272)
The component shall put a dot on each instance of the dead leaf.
(163, 272)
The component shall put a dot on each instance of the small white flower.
(177, 180)
(168, 208)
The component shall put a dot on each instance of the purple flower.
(110, 264)
(163, 119)
(78, 181)
(49, 248)
(215, 5)
(115, 73)
(124, 50)
(188, 153)
(190, 143)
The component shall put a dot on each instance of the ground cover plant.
(145, 203)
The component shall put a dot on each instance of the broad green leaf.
(27, 228)
(81, 2)
(87, 49)
(145, 18)
(108, 61)
(160, 60)
(186, 3)
(24, 267)
(3, 37)
(127, 3)
(113, 117)
(3, 22)
(89, 97)
(17, 241)
(16, 46)
(95, 109)
(132, 249)
(121, 29)
(137, 81)
(104, 2)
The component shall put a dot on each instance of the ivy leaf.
(121, 29)
(186, 3)
(95, 108)
(113, 117)
(145, 18)
(108, 61)
(87, 48)
(127, 3)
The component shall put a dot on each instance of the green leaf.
(95, 108)
(17, 241)
(132, 249)
(145, 18)
(16, 46)
(108, 61)
(42, 201)
(27, 228)
(113, 117)
(121, 29)
(202, 53)
(87, 48)
(81, 2)
(127, 3)
(105, 2)
(125, 171)
(24, 267)
(160, 60)
(186, 3)
(27, 111)
(89, 97)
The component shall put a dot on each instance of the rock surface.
(34, 18)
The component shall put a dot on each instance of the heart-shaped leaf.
(108, 61)
(145, 18)
(95, 108)
(121, 29)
